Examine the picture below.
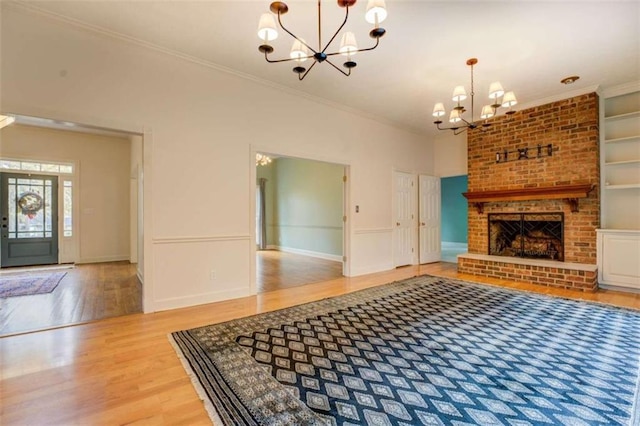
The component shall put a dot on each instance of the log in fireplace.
(529, 235)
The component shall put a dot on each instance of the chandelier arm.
(459, 131)
(346, 16)
(302, 76)
(293, 35)
(274, 61)
(456, 128)
(359, 50)
(332, 64)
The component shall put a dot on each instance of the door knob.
(422, 223)
(397, 223)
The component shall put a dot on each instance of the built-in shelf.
(570, 193)
(623, 116)
(625, 139)
(627, 186)
(620, 161)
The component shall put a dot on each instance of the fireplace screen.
(530, 235)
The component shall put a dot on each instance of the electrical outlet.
(212, 275)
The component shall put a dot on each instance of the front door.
(29, 219)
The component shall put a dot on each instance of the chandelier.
(301, 51)
(262, 160)
(458, 123)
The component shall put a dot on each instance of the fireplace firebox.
(529, 235)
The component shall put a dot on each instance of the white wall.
(102, 189)
(451, 152)
(204, 125)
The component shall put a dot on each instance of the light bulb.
(487, 112)
(459, 94)
(348, 44)
(509, 100)
(267, 28)
(299, 51)
(376, 12)
(438, 110)
(495, 90)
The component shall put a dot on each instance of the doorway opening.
(300, 236)
(95, 241)
(454, 217)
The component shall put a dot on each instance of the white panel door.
(429, 211)
(404, 224)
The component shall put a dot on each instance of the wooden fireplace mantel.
(570, 193)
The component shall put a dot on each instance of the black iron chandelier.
(302, 51)
(458, 123)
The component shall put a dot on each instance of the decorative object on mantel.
(526, 153)
(375, 14)
(262, 160)
(460, 124)
(570, 193)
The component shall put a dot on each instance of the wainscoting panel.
(372, 251)
(196, 270)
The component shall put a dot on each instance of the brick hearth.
(571, 125)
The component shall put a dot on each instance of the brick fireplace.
(558, 179)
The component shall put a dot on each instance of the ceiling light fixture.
(5, 120)
(301, 50)
(262, 160)
(459, 124)
(570, 80)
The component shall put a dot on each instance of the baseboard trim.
(103, 259)
(199, 299)
(357, 271)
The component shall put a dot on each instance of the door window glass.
(30, 210)
(67, 192)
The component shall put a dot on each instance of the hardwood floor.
(124, 371)
(87, 292)
(276, 270)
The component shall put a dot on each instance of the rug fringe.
(208, 405)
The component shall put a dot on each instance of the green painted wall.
(304, 205)
(454, 209)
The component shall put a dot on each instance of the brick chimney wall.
(571, 125)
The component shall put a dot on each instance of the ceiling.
(529, 46)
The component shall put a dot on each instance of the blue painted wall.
(454, 208)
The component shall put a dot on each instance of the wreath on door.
(30, 203)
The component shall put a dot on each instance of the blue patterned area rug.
(427, 350)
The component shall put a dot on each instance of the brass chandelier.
(301, 51)
(458, 122)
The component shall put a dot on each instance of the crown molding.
(559, 97)
(621, 89)
(35, 10)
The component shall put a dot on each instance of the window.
(34, 166)
(67, 203)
